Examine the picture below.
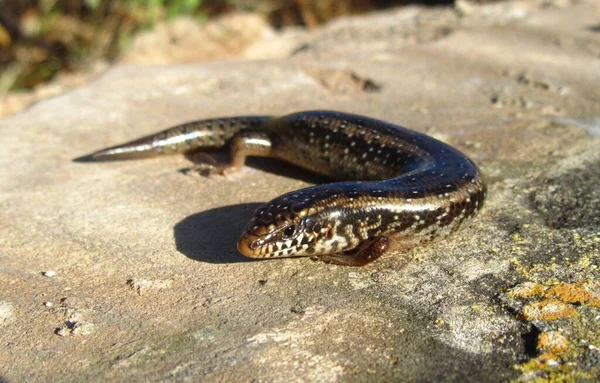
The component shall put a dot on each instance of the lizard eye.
(289, 231)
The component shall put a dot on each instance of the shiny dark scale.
(396, 186)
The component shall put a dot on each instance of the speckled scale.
(206, 134)
(394, 182)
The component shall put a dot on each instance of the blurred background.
(39, 39)
(71, 40)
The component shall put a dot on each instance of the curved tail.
(203, 134)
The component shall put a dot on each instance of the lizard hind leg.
(241, 146)
(203, 163)
(366, 252)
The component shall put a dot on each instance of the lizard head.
(288, 226)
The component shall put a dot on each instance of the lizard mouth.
(254, 246)
(248, 245)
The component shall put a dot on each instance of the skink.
(395, 186)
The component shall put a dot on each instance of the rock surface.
(146, 281)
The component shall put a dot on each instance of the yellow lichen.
(594, 302)
(542, 362)
(526, 290)
(552, 300)
(553, 341)
(522, 270)
(549, 309)
(517, 238)
(570, 293)
(585, 262)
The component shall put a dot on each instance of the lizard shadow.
(269, 165)
(285, 169)
(211, 236)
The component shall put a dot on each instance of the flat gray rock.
(128, 270)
